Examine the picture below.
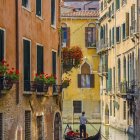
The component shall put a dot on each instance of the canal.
(108, 132)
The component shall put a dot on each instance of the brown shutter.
(68, 37)
(86, 36)
(127, 24)
(79, 80)
(92, 81)
(27, 125)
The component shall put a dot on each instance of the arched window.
(65, 35)
(85, 79)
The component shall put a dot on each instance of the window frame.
(4, 46)
(81, 107)
(119, 34)
(28, 7)
(124, 110)
(24, 38)
(53, 25)
(39, 16)
(124, 31)
(38, 44)
(56, 60)
(30, 123)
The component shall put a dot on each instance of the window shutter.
(1, 126)
(27, 125)
(1, 45)
(24, 2)
(52, 12)
(109, 80)
(68, 37)
(26, 65)
(92, 81)
(53, 63)
(79, 80)
(127, 24)
(86, 36)
(39, 59)
(113, 35)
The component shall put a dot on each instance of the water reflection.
(108, 132)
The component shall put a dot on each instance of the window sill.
(53, 26)
(27, 92)
(27, 9)
(117, 10)
(40, 17)
(118, 42)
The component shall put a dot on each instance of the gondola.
(95, 137)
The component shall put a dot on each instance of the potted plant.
(50, 80)
(66, 82)
(7, 77)
(41, 82)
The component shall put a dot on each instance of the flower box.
(33, 86)
(5, 84)
(41, 87)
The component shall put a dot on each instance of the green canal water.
(108, 132)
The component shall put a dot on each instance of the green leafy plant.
(51, 80)
(40, 78)
(3, 67)
(12, 75)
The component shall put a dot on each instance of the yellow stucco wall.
(89, 96)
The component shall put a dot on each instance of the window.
(1, 45)
(117, 4)
(77, 106)
(109, 80)
(109, 10)
(25, 3)
(53, 63)
(123, 31)
(39, 8)
(124, 110)
(110, 38)
(110, 107)
(118, 34)
(40, 128)
(113, 36)
(53, 10)
(26, 64)
(112, 11)
(114, 109)
(85, 79)
(114, 77)
(133, 21)
(90, 37)
(39, 59)
(127, 24)
(119, 72)
(65, 36)
(27, 125)
(124, 68)
(105, 3)
(101, 5)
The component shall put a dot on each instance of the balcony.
(102, 45)
(127, 88)
(103, 70)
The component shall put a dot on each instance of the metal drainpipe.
(17, 47)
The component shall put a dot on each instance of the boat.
(95, 137)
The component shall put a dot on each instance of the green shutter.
(54, 63)
(26, 45)
(127, 24)
(24, 3)
(52, 12)
(109, 80)
(38, 7)
(39, 59)
(1, 45)
(68, 37)
(113, 36)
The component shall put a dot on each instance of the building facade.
(117, 49)
(79, 29)
(28, 29)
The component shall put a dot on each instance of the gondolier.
(83, 121)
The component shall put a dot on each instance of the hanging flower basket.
(65, 82)
(71, 57)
